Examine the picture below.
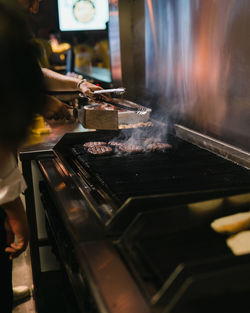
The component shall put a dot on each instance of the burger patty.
(158, 146)
(91, 144)
(115, 143)
(130, 148)
(99, 150)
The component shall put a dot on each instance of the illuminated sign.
(83, 14)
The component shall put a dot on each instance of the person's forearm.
(58, 82)
(15, 209)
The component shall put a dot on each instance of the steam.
(140, 138)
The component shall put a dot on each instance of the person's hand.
(88, 88)
(56, 109)
(16, 227)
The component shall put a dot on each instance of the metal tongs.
(120, 104)
(78, 94)
(69, 95)
(117, 91)
(138, 109)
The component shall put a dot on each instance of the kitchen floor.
(22, 275)
(56, 296)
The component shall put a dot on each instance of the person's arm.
(57, 82)
(16, 226)
(56, 109)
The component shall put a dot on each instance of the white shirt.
(12, 183)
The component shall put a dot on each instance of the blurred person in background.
(24, 100)
(22, 96)
(58, 82)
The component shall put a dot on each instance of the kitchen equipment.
(137, 223)
(112, 115)
(123, 184)
(141, 215)
(118, 91)
(181, 264)
(127, 105)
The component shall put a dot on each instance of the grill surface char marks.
(100, 150)
(91, 144)
(122, 147)
(130, 148)
(158, 146)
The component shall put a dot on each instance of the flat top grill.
(168, 247)
(184, 168)
(119, 186)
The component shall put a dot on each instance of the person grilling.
(57, 82)
(12, 215)
(22, 96)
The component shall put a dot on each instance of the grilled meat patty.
(99, 150)
(130, 148)
(158, 146)
(114, 143)
(94, 144)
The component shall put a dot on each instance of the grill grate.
(185, 168)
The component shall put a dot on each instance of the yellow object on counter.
(39, 126)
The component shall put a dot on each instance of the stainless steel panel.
(198, 65)
(126, 36)
(114, 290)
(114, 42)
(229, 152)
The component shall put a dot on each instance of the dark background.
(46, 22)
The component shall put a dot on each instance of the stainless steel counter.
(39, 144)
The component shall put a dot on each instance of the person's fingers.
(88, 89)
(16, 248)
(20, 246)
(92, 87)
(89, 93)
(13, 253)
(10, 250)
